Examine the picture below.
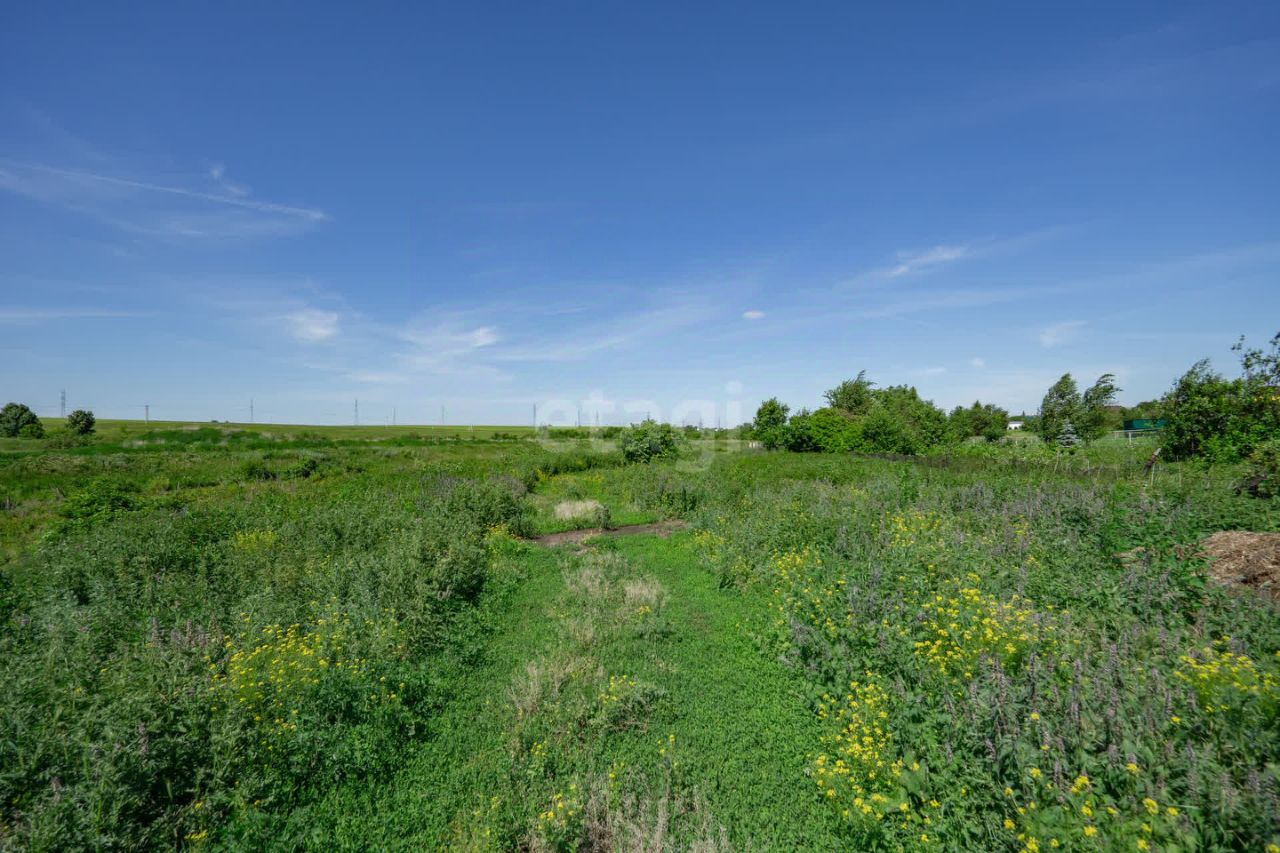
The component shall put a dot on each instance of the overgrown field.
(307, 642)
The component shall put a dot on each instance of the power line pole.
(356, 416)
(62, 405)
(393, 415)
(535, 416)
(146, 412)
(442, 416)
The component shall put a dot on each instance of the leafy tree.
(1224, 419)
(649, 440)
(800, 436)
(1202, 406)
(81, 422)
(919, 424)
(1260, 367)
(983, 420)
(828, 430)
(1059, 404)
(1092, 416)
(852, 396)
(884, 432)
(15, 417)
(769, 427)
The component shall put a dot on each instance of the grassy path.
(620, 695)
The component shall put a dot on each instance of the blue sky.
(669, 208)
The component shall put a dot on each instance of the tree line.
(1205, 414)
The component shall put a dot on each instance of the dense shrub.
(650, 440)
(1223, 419)
(769, 426)
(1262, 480)
(15, 417)
(862, 418)
(256, 469)
(81, 422)
(852, 396)
(980, 420)
(827, 430)
(907, 422)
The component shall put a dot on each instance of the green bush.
(650, 440)
(980, 420)
(81, 422)
(31, 430)
(769, 426)
(828, 430)
(1263, 477)
(1223, 420)
(15, 417)
(256, 469)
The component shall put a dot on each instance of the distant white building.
(1015, 424)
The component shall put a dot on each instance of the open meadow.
(213, 640)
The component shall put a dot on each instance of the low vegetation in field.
(233, 639)
(994, 676)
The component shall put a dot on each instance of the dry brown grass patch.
(570, 510)
(1246, 560)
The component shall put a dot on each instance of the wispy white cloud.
(311, 325)
(1060, 333)
(218, 174)
(910, 263)
(978, 362)
(154, 208)
(753, 315)
(442, 344)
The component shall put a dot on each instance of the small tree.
(852, 396)
(81, 422)
(983, 420)
(1202, 410)
(1059, 404)
(15, 417)
(649, 440)
(1224, 419)
(1092, 415)
(770, 424)
(1068, 438)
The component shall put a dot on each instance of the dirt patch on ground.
(566, 510)
(1248, 560)
(658, 528)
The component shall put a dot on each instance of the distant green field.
(116, 429)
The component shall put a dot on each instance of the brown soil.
(1248, 560)
(659, 528)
